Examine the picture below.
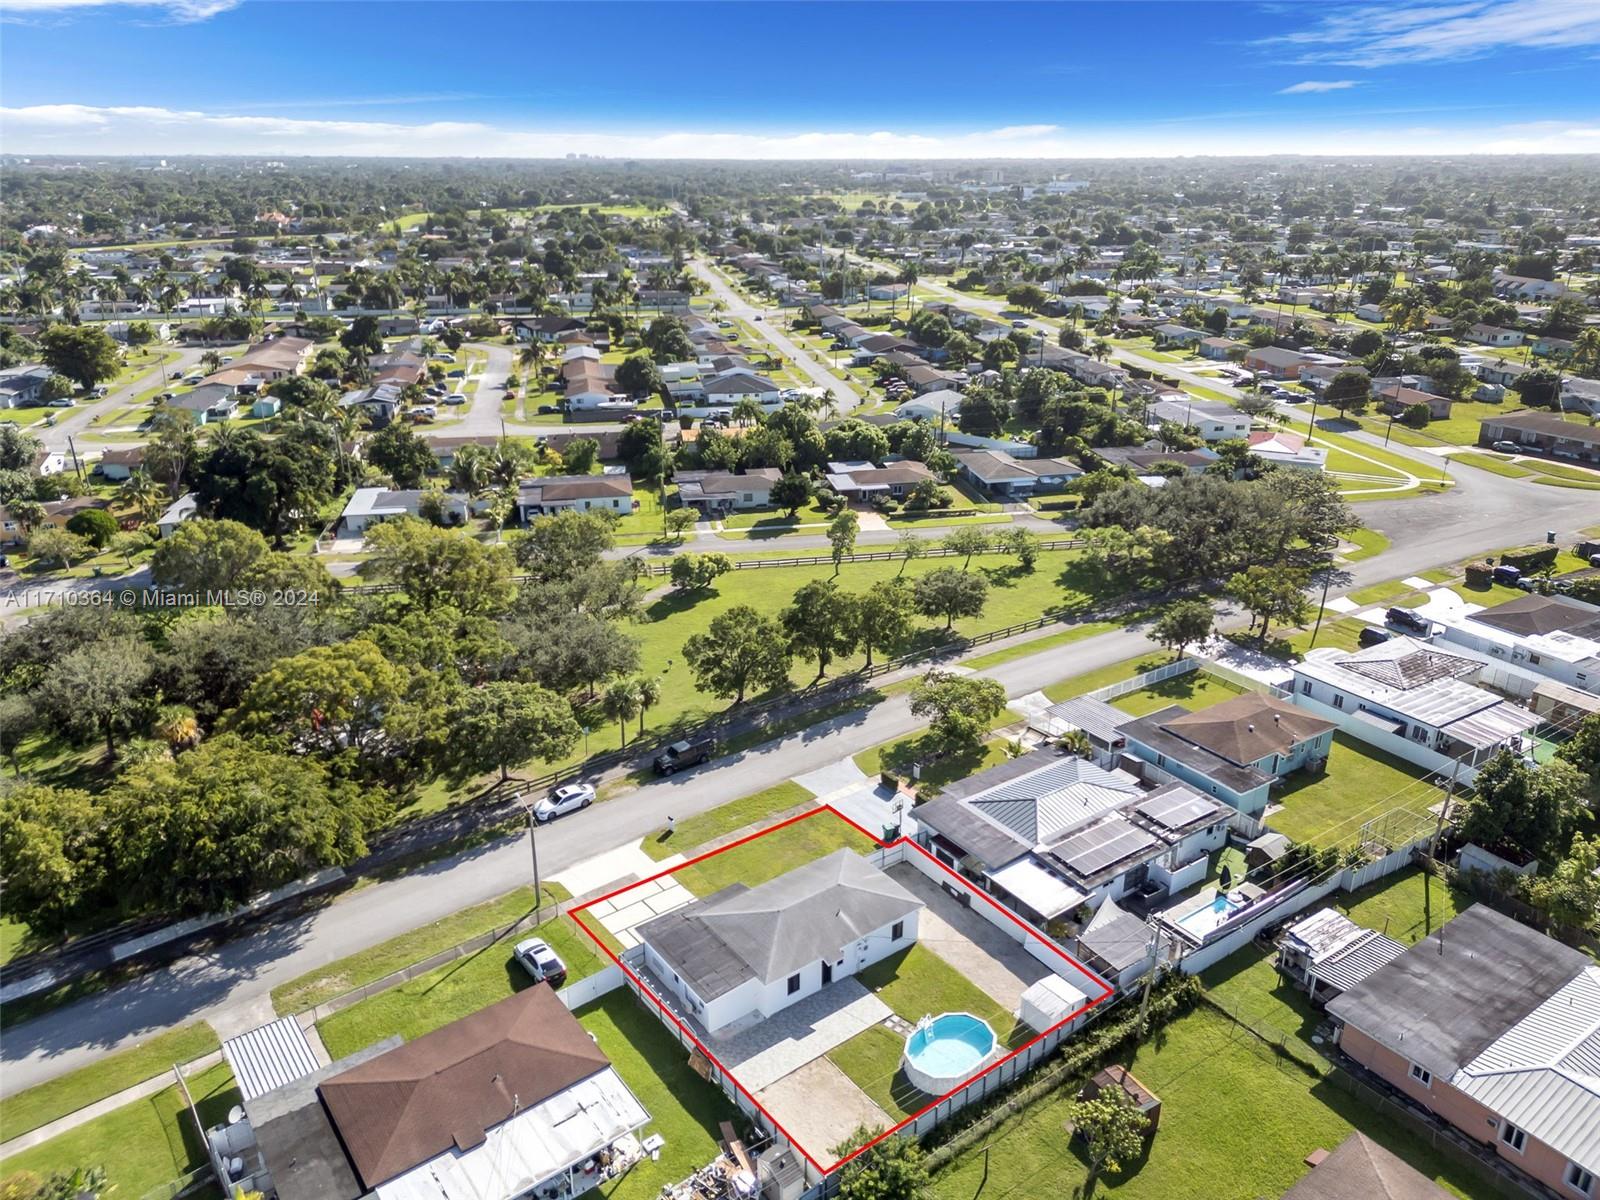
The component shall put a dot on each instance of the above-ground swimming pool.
(944, 1052)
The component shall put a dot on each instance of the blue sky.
(779, 80)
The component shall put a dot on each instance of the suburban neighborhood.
(1018, 654)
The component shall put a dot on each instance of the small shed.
(1142, 1098)
(1266, 849)
(1049, 1002)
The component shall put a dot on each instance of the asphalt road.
(74, 422)
(231, 985)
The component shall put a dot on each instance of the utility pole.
(1444, 809)
(1149, 978)
(533, 848)
(1327, 577)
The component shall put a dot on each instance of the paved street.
(74, 422)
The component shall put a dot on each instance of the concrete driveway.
(971, 945)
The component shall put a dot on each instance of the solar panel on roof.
(1099, 846)
(1176, 809)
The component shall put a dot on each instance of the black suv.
(1405, 618)
(684, 754)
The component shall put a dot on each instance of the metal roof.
(1175, 807)
(1098, 719)
(1103, 846)
(1352, 963)
(1543, 1073)
(269, 1056)
(1037, 886)
(1116, 937)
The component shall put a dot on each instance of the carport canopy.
(1040, 889)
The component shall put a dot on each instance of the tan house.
(1493, 1028)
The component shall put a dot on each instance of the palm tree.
(649, 688)
(621, 704)
(748, 411)
(469, 469)
(141, 492)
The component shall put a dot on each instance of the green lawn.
(142, 1145)
(1381, 593)
(1195, 690)
(774, 520)
(454, 990)
(1236, 1124)
(1341, 633)
(696, 831)
(899, 755)
(1367, 542)
(1093, 681)
(1360, 783)
(339, 977)
(1074, 633)
(871, 1060)
(774, 853)
(1406, 906)
(916, 982)
(684, 1109)
(67, 1093)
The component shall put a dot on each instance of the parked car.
(1373, 635)
(543, 964)
(684, 754)
(61, 403)
(569, 797)
(1507, 447)
(456, 398)
(1409, 620)
(458, 373)
(102, 390)
(1019, 324)
(1510, 576)
(546, 409)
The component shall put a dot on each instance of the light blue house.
(1234, 750)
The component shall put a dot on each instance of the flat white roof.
(1041, 890)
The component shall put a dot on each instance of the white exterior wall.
(1421, 754)
(1519, 660)
(753, 998)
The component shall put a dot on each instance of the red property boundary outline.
(667, 1014)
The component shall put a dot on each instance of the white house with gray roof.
(742, 954)
(1415, 701)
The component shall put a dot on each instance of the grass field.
(1195, 690)
(774, 853)
(1236, 1124)
(355, 971)
(1090, 681)
(697, 830)
(1360, 784)
(684, 1109)
(899, 755)
(67, 1093)
(454, 990)
(142, 1145)
(1073, 633)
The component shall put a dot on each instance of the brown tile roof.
(1360, 1169)
(1248, 728)
(449, 1087)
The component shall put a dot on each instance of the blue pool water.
(953, 1045)
(1211, 915)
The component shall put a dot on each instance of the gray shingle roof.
(771, 931)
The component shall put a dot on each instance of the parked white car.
(543, 964)
(569, 797)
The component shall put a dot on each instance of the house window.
(794, 983)
(897, 931)
(1513, 1136)
(1338, 700)
(1419, 734)
(1579, 1180)
(1534, 659)
(1422, 1075)
(1305, 687)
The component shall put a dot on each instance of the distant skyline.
(799, 81)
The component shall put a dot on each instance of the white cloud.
(1379, 36)
(181, 11)
(1317, 85)
(79, 129)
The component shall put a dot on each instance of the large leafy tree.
(740, 650)
(327, 698)
(500, 725)
(883, 616)
(958, 708)
(1181, 624)
(566, 651)
(1271, 594)
(85, 354)
(950, 592)
(401, 455)
(821, 622)
(52, 854)
(100, 689)
(439, 567)
(1523, 809)
(274, 485)
(1112, 1127)
(894, 1169)
(201, 556)
(222, 822)
(560, 547)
